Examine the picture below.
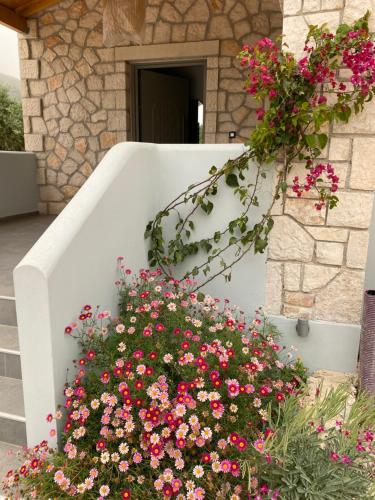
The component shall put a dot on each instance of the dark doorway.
(168, 103)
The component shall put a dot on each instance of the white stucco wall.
(74, 263)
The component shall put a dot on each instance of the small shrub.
(318, 452)
(11, 122)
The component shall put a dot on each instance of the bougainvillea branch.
(298, 100)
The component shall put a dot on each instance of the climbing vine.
(298, 99)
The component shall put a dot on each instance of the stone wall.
(317, 260)
(76, 92)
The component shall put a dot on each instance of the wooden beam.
(12, 20)
(31, 7)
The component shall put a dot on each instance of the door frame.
(134, 88)
(173, 54)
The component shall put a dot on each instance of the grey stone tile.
(9, 458)
(13, 431)
(13, 366)
(8, 311)
(2, 364)
(9, 337)
(11, 397)
(17, 236)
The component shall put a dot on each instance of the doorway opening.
(168, 102)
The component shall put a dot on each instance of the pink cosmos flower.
(259, 445)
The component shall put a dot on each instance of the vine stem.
(206, 262)
(235, 261)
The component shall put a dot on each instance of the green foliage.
(302, 97)
(314, 449)
(11, 122)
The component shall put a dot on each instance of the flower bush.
(182, 396)
(167, 401)
(298, 100)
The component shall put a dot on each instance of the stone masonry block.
(329, 253)
(32, 106)
(33, 142)
(289, 241)
(292, 276)
(292, 7)
(29, 68)
(353, 210)
(274, 287)
(339, 149)
(363, 166)
(356, 255)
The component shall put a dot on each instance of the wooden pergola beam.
(31, 7)
(12, 20)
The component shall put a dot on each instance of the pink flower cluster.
(313, 178)
(262, 61)
(360, 59)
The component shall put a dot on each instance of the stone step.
(9, 459)
(12, 412)
(10, 360)
(8, 310)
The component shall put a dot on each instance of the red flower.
(242, 444)
(117, 371)
(180, 443)
(280, 396)
(182, 387)
(138, 385)
(155, 450)
(234, 438)
(214, 375)
(105, 377)
(125, 494)
(101, 445)
(260, 113)
(34, 463)
(167, 491)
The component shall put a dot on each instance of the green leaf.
(310, 140)
(232, 180)
(283, 186)
(322, 139)
(207, 207)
